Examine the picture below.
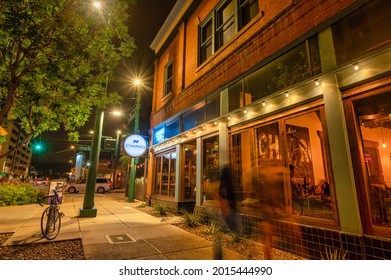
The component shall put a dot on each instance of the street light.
(88, 209)
(119, 132)
(134, 162)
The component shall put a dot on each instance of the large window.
(294, 66)
(287, 161)
(190, 170)
(165, 174)
(211, 167)
(374, 119)
(223, 23)
(362, 31)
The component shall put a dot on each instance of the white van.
(102, 185)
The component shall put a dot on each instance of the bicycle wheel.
(297, 208)
(50, 223)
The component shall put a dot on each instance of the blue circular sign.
(135, 145)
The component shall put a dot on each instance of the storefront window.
(289, 165)
(211, 168)
(310, 183)
(374, 116)
(190, 170)
(165, 174)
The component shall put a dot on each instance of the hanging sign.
(135, 145)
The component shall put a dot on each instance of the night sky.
(145, 20)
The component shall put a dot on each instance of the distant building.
(303, 86)
(17, 163)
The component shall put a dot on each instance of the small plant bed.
(194, 223)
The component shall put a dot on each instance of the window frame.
(168, 78)
(212, 19)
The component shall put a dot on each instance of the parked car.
(102, 185)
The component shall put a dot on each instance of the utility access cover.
(119, 238)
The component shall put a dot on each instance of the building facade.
(299, 87)
(15, 164)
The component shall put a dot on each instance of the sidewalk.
(119, 231)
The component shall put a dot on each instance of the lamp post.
(88, 209)
(116, 158)
(134, 162)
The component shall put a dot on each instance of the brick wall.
(283, 22)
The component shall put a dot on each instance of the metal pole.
(116, 160)
(88, 209)
(132, 180)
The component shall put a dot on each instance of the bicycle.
(51, 216)
(297, 207)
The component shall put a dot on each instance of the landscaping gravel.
(55, 250)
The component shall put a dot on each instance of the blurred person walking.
(227, 206)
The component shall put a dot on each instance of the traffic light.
(110, 144)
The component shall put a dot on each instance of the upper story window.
(168, 79)
(248, 10)
(223, 23)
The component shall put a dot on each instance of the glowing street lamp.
(134, 162)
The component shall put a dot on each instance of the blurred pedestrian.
(227, 207)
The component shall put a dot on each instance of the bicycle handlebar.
(55, 195)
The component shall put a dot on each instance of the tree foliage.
(56, 57)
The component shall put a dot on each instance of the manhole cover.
(119, 238)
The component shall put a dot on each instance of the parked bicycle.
(297, 207)
(51, 216)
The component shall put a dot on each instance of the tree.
(56, 57)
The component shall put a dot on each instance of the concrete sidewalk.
(119, 232)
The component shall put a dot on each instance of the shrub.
(16, 194)
(161, 209)
(333, 254)
(213, 228)
(191, 219)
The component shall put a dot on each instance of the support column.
(344, 184)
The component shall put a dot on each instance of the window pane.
(225, 24)
(168, 79)
(172, 128)
(159, 134)
(363, 31)
(307, 165)
(285, 71)
(248, 10)
(158, 174)
(213, 107)
(165, 174)
(211, 169)
(234, 94)
(267, 172)
(206, 41)
(172, 174)
(374, 115)
(194, 117)
(190, 170)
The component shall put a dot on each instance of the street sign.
(135, 145)
(83, 148)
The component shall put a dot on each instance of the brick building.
(301, 86)
(15, 164)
